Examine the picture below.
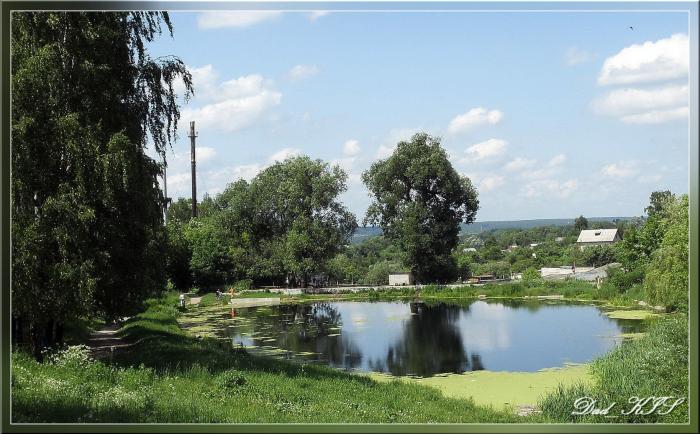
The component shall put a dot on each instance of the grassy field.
(169, 376)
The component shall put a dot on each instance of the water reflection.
(418, 338)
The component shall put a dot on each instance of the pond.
(424, 339)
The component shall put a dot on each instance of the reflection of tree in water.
(305, 328)
(431, 343)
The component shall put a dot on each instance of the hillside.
(363, 233)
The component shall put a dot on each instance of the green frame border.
(694, 153)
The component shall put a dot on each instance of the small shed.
(400, 278)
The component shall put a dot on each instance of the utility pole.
(192, 137)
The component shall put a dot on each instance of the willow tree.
(419, 202)
(87, 99)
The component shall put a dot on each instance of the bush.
(243, 285)
(624, 280)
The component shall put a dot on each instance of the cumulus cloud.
(550, 187)
(491, 182)
(473, 118)
(204, 153)
(645, 106)
(221, 19)
(285, 153)
(351, 148)
(665, 59)
(657, 116)
(486, 149)
(519, 163)
(234, 104)
(623, 169)
(301, 72)
(630, 100)
(575, 56)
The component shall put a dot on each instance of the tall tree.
(419, 202)
(87, 211)
(666, 280)
(581, 223)
(658, 203)
(289, 218)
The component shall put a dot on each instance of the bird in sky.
(631, 28)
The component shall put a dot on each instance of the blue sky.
(550, 114)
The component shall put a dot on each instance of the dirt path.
(103, 342)
(195, 300)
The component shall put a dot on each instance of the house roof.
(597, 235)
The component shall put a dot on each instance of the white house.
(597, 237)
(400, 278)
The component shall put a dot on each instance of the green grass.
(653, 365)
(167, 376)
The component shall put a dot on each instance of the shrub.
(242, 285)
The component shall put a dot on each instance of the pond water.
(422, 339)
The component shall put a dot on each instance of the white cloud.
(665, 59)
(204, 153)
(351, 148)
(219, 19)
(203, 80)
(557, 160)
(486, 149)
(657, 116)
(491, 182)
(234, 104)
(285, 153)
(550, 187)
(623, 169)
(474, 117)
(628, 101)
(519, 164)
(314, 15)
(301, 72)
(575, 56)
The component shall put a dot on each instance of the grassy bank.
(167, 376)
(574, 290)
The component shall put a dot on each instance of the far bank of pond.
(506, 353)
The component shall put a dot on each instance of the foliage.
(666, 280)
(419, 202)
(87, 212)
(581, 223)
(378, 273)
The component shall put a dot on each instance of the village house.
(597, 237)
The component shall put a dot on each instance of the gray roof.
(597, 236)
